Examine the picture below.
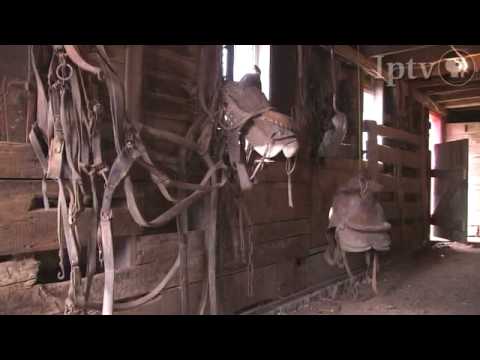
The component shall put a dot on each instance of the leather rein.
(69, 116)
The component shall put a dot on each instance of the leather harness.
(66, 139)
(68, 121)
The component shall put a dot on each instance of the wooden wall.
(288, 243)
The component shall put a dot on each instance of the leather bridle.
(68, 123)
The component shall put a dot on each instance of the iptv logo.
(455, 68)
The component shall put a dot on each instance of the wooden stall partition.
(399, 161)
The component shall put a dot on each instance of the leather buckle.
(55, 158)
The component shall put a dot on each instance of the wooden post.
(372, 145)
(134, 82)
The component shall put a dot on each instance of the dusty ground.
(443, 279)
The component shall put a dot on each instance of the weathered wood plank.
(391, 183)
(49, 298)
(396, 156)
(268, 203)
(21, 196)
(275, 172)
(281, 230)
(316, 270)
(279, 251)
(393, 133)
(170, 61)
(37, 231)
(169, 302)
(18, 161)
(233, 289)
(161, 247)
(19, 272)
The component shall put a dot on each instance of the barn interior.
(220, 242)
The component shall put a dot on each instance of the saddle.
(357, 223)
(251, 122)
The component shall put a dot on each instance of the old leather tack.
(357, 224)
(67, 122)
(250, 116)
(66, 139)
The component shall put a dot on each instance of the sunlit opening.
(372, 110)
(245, 59)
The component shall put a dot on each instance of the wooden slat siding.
(398, 134)
(169, 302)
(275, 172)
(262, 233)
(164, 123)
(163, 104)
(150, 116)
(233, 294)
(161, 98)
(168, 101)
(18, 196)
(128, 283)
(37, 231)
(268, 253)
(170, 61)
(396, 156)
(398, 210)
(314, 269)
(280, 230)
(290, 278)
(168, 86)
(272, 243)
(155, 63)
(160, 247)
(49, 298)
(274, 252)
(389, 183)
(268, 203)
(18, 161)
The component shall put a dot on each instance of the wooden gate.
(450, 191)
(400, 163)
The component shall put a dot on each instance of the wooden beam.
(457, 96)
(453, 99)
(469, 103)
(445, 89)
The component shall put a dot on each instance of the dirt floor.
(443, 279)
